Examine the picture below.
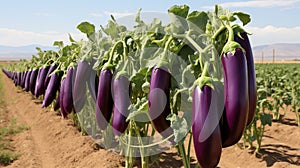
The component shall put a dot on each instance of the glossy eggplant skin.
(159, 100)
(48, 77)
(32, 82)
(208, 148)
(63, 112)
(51, 90)
(121, 93)
(245, 43)
(27, 81)
(83, 71)
(104, 104)
(236, 99)
(37, 81)
(24, 79)
(40, 89)
(67, 91)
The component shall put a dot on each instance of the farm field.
(183, 94)
(55, 142)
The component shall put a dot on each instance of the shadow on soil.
(273, 153)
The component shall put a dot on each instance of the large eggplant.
(104, 104)
(48, 77)
(236, 99)
(63, 112)
(40, 87)
(121, 97)
(32, 82)
(92, 85)
(205, 128)
(27, 81)
(159, 101)
(245, 43)
(51, 90)
(37, 81)
(67, 92)
(79, 91)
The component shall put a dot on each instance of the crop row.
(139, 90)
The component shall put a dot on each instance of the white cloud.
(257, 4)
(95, 14)
(14, 37)
(270, 34)
(118, 14)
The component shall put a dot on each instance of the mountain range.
(282, 51)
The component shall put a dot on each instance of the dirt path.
(53, 142)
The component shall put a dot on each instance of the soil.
(53, 142)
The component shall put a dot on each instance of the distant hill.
(24, 52)
(282, 51)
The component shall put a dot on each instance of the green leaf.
(266, 119)
(197, 20)
(71, 39)
(181, 11)
(179, 125)
(244, 18)
(86, 27)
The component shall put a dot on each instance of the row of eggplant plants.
(142, 90)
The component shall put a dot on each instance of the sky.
(27, 22)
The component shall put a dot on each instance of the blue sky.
(25, 22)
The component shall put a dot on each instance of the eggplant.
(48, 77)
(63, 112)
(205, 129)
(121, 97)
(40, 87)
(37, 81)
(245, 43)
(51, 90)
(79, 91)
(104, 104)
(67, 92)
(236, 99)
(23, 79)
(159, 100)
(33, 77)
(27, 81)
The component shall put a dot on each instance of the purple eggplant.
(32, 82)
(245, 43)
(23, 79)
(51, 90)
(159, 101)
(27, 81)
(37, 81)
(79, 91)
(40, 89)
(236, 99)
(121, 94)
(67, 91)
(63, 112)
(206, 130)
(104, 104)
(48, 77)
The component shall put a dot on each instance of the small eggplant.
(159, 100)
(104, 104)
(121, 93)
(51, 90)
